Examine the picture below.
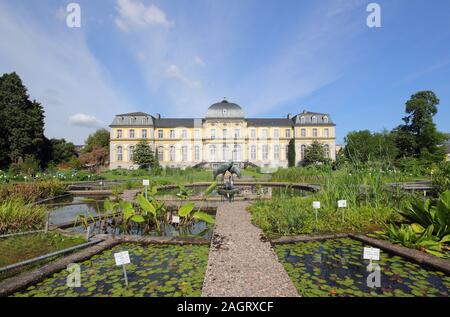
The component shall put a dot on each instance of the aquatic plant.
(16, 216)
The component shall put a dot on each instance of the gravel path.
(241, 262)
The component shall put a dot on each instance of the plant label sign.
(316, 204)
(175, 219)
(342, 203)
(146, 182)
(371, 254)
(122, 258)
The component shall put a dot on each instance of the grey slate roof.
(174, 123)
(224, 109)
(308, 118)
(270, 122)
(133, 119)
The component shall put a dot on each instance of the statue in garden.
(227, 189)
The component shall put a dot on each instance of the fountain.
(227, 189)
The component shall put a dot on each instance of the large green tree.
(22, 122)
(315, 154)
(98, 139)
(62, 151)
(143, 155)
(418, 136)
(364, 146)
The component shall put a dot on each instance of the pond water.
(245, 190)
(155, 271)
(335, 268)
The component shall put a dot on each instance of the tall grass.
(30, 192)
(17, 216)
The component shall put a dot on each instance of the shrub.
(441, 177)
(17, 216)
(30, 192)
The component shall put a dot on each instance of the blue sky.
(176, 57)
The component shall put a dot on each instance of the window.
(160, 152)
(172, 134)
(265, 133)
(212, 152)
(302, 120)
(172, 153)
(253, 152)
(303, 151)
(213, 133)
(325, 119)
(197, 153)
(237, 133)
(197, 134)
(225, 156)
(314, 119)
(119, 153)
(326, 133)
(276, 152)
(265, 152)
(303, 132)
(287, 152)
(224, 133)
(287, 133)
(184, 134)
(132, 134)
(184, 153)
(326, 151)
(144, 134)
(253, 133)
(314, 131)
(276, 133)
(131, 153)
(119, 133)
(160, 134)
(237, 152)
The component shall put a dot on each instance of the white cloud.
(173, 71)
(199, 61)
(85, 120)
(135, 14)
(59, 71)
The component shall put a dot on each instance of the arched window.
(212, 152)
(314, 119)
(253, 152)
(302, 120)
(225, 151)
(302, 151)
(197, 153)
(131, 153)
(119, 153)
(325, 119)
(276, 152)
(132, 134)
(184, 153)
(237, 152)
(172, 153)
(326, 151)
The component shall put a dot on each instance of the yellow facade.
(215, 139)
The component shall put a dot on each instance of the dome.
(225, 109)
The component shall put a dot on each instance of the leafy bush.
(441, 177)
(17, 216)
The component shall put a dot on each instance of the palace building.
(223, 134)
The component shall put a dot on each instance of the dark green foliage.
(291, 153)
(315, 154)
(62, 151)
(144, 156)
(418, 136)
(22, 122)
(441, 177)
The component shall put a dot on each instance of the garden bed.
(335, 268)
(155, 270)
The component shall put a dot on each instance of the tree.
(143, 155)
(22, 122)
(291, 153)
(363, 146)
(418, 136)
(99, 138)
(96, 158)
(62, 151)
(315, 154)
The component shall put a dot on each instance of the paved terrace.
(241, 262)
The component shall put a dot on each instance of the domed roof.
(225, 109)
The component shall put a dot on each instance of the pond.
(335, 268)
(155, 271)
(254, 191)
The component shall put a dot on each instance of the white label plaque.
(175, 219)
(122, 258)
(371, 254)
(342, 203)
(146, 182)
(316, 204)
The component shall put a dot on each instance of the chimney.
(289, 116)
(158, 116)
